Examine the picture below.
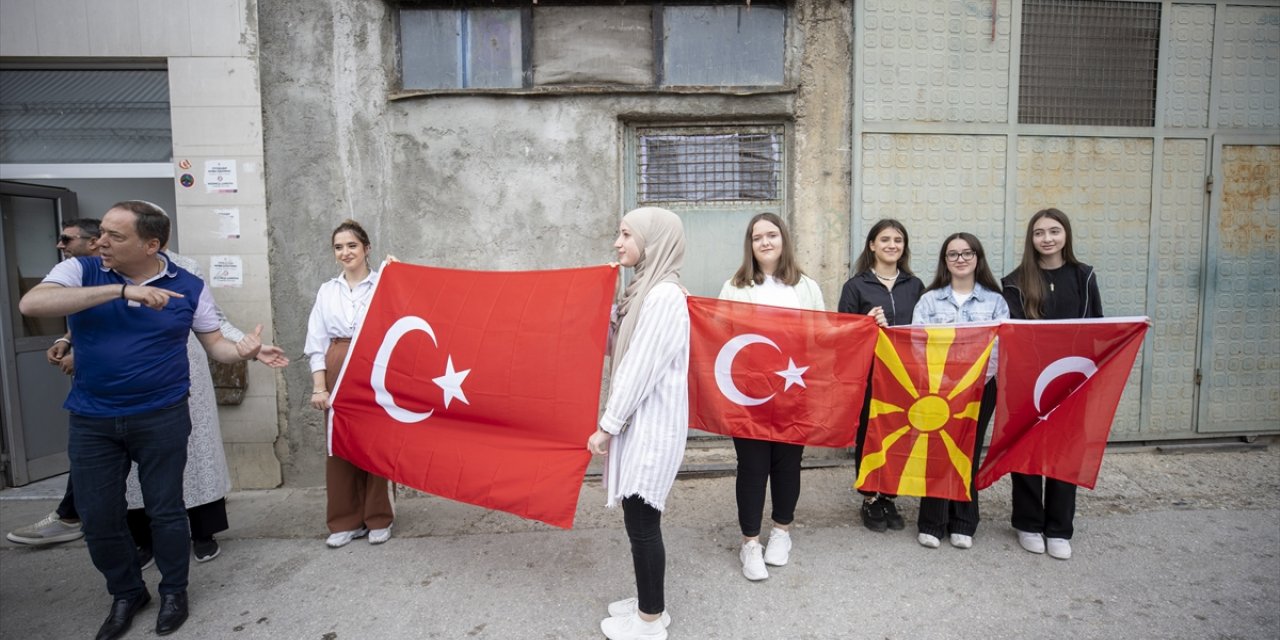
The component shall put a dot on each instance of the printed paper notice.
(226, 271)
(220, 176)
(228, 222)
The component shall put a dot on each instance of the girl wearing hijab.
(646, 419)
(768, 275)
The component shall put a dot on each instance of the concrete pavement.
(1170, 545)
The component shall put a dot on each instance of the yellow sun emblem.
(933, 414)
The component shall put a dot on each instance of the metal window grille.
(719, 167)
(1089, 62)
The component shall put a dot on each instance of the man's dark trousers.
(101, 450)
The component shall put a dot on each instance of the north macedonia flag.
(925, 393)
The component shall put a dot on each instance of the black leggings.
(761, 462)
(644, 527)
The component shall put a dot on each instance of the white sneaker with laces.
(628, 606)
(50, 530)
(342, 538)
(929, 541)
(633, 627)
(379, 536)
(1059, 548)
(778, 551)
(752, 557)
(961, 541)
(1032, 542)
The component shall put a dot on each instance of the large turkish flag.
(926, 392)
(1059, 385)
(479, 386)
(778, 374)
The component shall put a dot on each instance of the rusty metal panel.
(1188, 66)
(1178, 279)
(936, 185)
(1104, 185)
(929, 61)
(1242, 358)
(1248, 79)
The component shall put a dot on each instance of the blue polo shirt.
(132, 359)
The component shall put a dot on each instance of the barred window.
(1089, 62)
(714, 166)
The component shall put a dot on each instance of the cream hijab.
(660, 237)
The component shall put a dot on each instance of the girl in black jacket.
(884, 288)
(1049, 284)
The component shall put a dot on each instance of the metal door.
(1240, 359)
(34, 424)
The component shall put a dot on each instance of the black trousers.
(1043, 505)
(67, 508)
(644, 527)
(939, 516)
(206, 520)
(760, 463)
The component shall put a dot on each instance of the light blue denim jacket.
(939, 307)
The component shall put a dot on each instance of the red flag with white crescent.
(479, 386)
(1059, 383)
(779, 374)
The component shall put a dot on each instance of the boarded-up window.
(1089, 62)
(593, 45)
(716, 166)
(459, 48)
(723, 45)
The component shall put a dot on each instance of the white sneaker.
(752, 557)
(961, 541)
(379, 536)
(1059, 548)
(341, 538)
(50, 530)
(633, 627)
(929, 541)
(778, 551)
(630, 606)
(1032, 542)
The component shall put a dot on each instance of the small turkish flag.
(778, 374)
(479, 386)
(1059, 384)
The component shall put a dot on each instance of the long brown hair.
(981, 272)
(1029, 277)
(866, 259)
(788, 272)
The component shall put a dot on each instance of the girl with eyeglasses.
(884, 288)
(1049, 284)
(768, 275)
(963, 290)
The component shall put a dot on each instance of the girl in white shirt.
(768, 275)
(359, 502)
(646, 419)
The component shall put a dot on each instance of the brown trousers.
(356, 497)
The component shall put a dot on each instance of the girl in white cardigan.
(646, 419)
(768, 275)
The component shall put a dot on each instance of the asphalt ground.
(1183, 543)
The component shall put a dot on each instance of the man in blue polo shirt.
(130, 311)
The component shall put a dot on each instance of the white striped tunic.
(648, 407)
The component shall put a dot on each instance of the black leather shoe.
(173, 612)
(121, 616)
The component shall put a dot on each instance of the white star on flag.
(792, 374)
(451, 383)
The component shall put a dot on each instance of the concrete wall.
(502, 181)
(211, 50)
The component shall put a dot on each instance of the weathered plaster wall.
(494, 181)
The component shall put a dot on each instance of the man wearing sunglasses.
(79, 239)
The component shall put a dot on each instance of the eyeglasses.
(957, 256)
(66, 239)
